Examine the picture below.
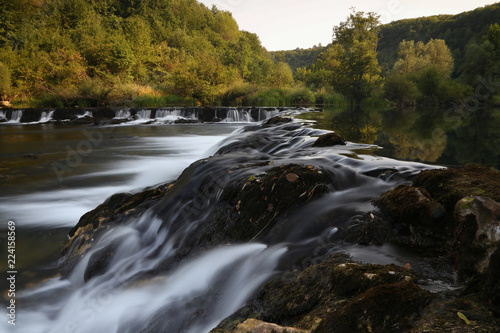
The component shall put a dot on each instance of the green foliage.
(415, 57)
(299, 58)
(456, 30)
(422, 73)
(57, 48)
(355, 50)
(281, 77)
(4, 80)
(482, 61)
(400, 89)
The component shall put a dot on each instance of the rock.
(277, 120)
(383, 308)
(334, 296)
(411, 206)
(258, 326)
(477, 234)
(95, 223)
(490, 282)
(292, 177)
(187, 121)
(31, 156)
(448, 186)
(249, 209)
(329, 140)
(416, 215)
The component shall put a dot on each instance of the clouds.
(288, 24)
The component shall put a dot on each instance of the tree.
(356, 48)
(416, 57)
(282, 76)
(4, 80)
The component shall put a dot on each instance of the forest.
(66, 53)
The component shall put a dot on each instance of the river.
(52, 174)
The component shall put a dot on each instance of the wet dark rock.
(336, 295)
(451, 185)
(30, 156)
(383, 308)
(368, 229)
(95, 223)
(409, 205)
(477, 234)
(253, 204)
(329, 140)
(416, 215)
(186, 121)
(277, 120)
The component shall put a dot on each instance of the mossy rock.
(383, 308)
(251, 207)
(451, 185)
(329, 140)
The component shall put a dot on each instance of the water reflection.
(430, 135)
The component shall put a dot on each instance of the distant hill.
(456, 30)
(299, 57)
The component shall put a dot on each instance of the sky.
(291, 24)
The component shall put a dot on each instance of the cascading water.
(89, 114)
(239, 116)
(16, 116)
(168, 115)
(3, 117)
(266, 114)
(123, 114)
(143, 115)
(172, 269)
(46, 116)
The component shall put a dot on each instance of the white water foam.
(110, 303)
(86, 114)
(46, 116)
(59, 208)
(123, 114)
(15, 117)
(238, 116)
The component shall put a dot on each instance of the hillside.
(456, 30)
(92, 53)
(299, 57)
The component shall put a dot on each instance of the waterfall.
(89, 114)
(46, 116)
(168, 115)
(240, 116)
(166, 268)
(3, 116)
(123, 114)
(16, 116)
(219, 281)
(143, 115)
(266, 114)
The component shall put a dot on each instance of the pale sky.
(288, 24)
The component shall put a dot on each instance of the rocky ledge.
(449, 219)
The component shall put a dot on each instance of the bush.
(400, 89)
(302, 96)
